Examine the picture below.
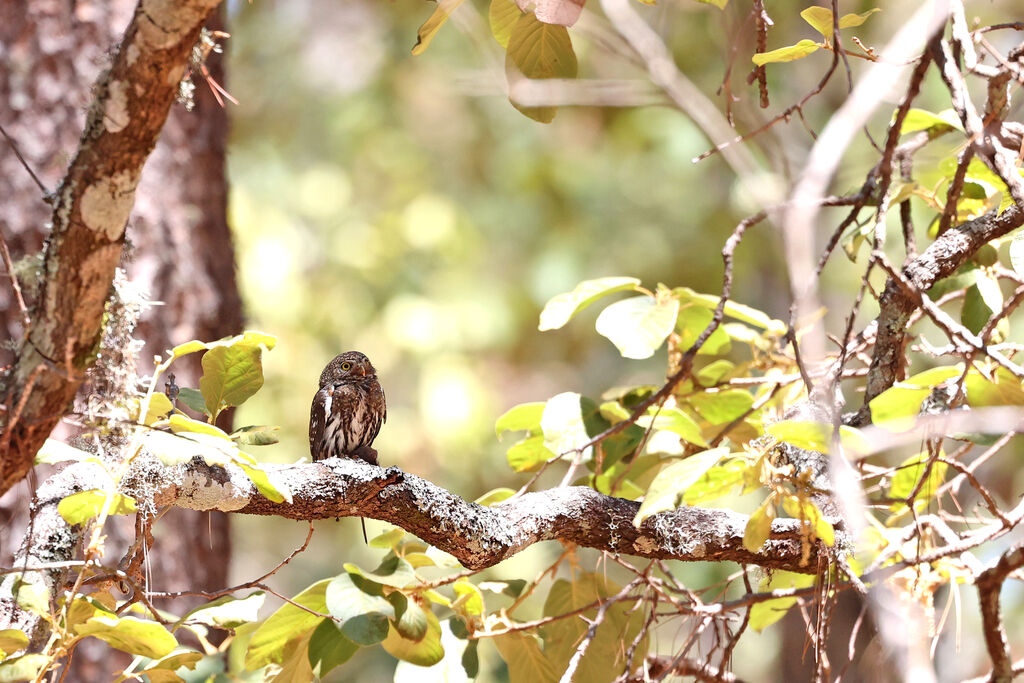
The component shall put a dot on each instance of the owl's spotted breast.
(348, 410)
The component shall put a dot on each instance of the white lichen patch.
(115, 109)
(198, 491)
(132, 53)
(107, 203)
(162, 23)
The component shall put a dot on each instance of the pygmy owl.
(347, 411)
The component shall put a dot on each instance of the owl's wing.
(317, 420)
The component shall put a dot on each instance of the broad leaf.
(459, 664)
(759, 527)
(12, 640)
(502, 16)
(720, 407)
(287, 625)
(54, 451)
(130, 634)
(495, 496)
(676, 421)
(913, 470)
(786, 54)
(360, 606)
(605, 658)
(569, 422)
(80, 507)
(432, 25)
(329, 648)
(227, 611)
(638, 326)
(527, 663)
(538, 50)
(764, 614)
(560, 12)
(523, 417)
(393, 571)
(256, 435)
(667, 489)
(193, 398)
(426, 651)
(560, 309)
(528, 454)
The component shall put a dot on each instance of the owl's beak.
(361, 369)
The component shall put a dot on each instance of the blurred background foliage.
(401, 206)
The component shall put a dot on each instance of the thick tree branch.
(947, 253)
(91, 210)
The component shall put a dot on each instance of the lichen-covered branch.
(91, 209)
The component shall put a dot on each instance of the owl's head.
(351, 365)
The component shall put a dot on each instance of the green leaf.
(720, 4)
(468, 598)
(605, 659)
(459, 665)
(528, 454)
(432, 25)
(502, 16)
(130, 634)
(539, 50)
(193, 398)
(388, 539)
(560, 309)
(269, 484)
(80, 507)
(31, 594)
(12, 640)
(910, 472)
(227, 611)
(1004, 389)
(520, 418)
(287, 625)
(851, 20)
(393, 571)
(981, 302)
(360, 606)
(162, 669)
(764, 614)
(732, 309)
(256, 435)
(569, 422)
(329, 648)
(786, 54)
(230, 376)
(638, 326)
(410, 618)
(922, 119)
(54, 451)
(809, 513)
(495, 496)
(716, 482)
(714, 372)
(897, 407)
(720, 407)
(667, 489)
(159, 406)
(426, 651)
(526, 661)
(692, 322)
(675, 421)
(759, 528)
(820, 19)
(23, 668)
(184, 424)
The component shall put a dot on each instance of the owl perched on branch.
(347, 411)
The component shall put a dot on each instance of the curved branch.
(481, 537)
(947, 253)
(91, 210)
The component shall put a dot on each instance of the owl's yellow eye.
(346, 366)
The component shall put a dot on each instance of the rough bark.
(91, 209)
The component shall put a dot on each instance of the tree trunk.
(180, 246)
